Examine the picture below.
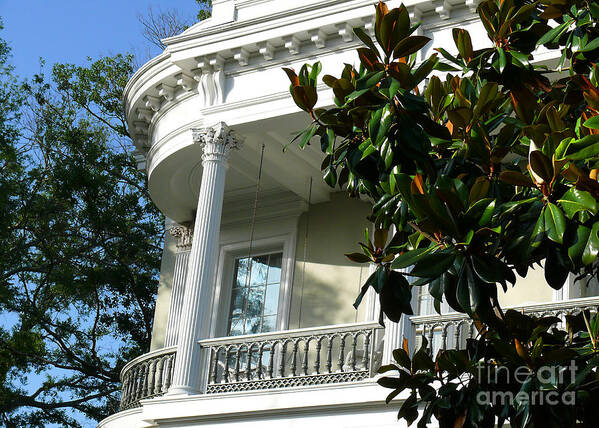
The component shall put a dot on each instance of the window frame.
(224, 281)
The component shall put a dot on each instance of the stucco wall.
(163, 298)
(326, 285)
(531, 289)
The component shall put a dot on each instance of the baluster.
(444, 336)
(353, 351)
(214, 353)
(294, 358)
(342, 352)
(318, 347)
(271, 358)
(152, 379)
(259, 373)
(237, 362)
(158, 385)
(226, 369)
(458, 330)
(366, 355)
(306, 349)
(138, 382)
(282, 360)
(248, 374)
(471, 330)
(146, 379)
(125, 389)
(430, 339)
(169, 371)
(330, 353)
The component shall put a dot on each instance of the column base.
(181, 390)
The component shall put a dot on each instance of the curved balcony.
(309, 356)
(147, 376)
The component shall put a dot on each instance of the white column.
(190, 364)
(185, 235)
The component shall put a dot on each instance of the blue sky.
(72, 30)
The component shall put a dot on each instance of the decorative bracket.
(166, 91)
(242, 56)
(186, 82)
(346, 32)
(292, 44)
(152, 102)
(267, 50)
(319, 38)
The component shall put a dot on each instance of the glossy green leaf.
(593, 122)
(575, 200)
(538, 232)
(555, 223)
(433, 265)
(410, 257)
(591, 250)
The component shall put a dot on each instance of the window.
(255, 294)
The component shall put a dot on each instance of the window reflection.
(255, 297)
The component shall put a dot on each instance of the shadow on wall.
(327, 283)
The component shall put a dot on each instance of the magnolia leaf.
(358, 257)
(515, 178)
(541, 167)
(591, 250)
(575, 200)
(593, 122)
(409, 258)
(409, 45)
(555, 223)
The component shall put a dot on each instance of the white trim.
(326, 329)
(222, 289)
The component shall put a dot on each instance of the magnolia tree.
(480, 165)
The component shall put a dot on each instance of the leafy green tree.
(205, 9)
(480, 166)
(80, 246)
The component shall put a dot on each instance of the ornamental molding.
(185, 234)
(216, 141)
(268, 47)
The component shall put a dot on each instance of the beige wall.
(531, 289)
(326, 285)
(163, 299)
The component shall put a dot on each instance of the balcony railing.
(451, 330)
(311, 356)
(147, 376)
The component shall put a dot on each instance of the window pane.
(255, 302)
(252, 325)
(255, 294)
(271, 303)
(236, 326)
(239, 295)
(241, 269)
(259, 270)
(274, 270)
(270, 323)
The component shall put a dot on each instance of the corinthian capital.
(216, 141)
(185, 235)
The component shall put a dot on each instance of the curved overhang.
(228, 69)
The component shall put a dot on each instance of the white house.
(254, 324)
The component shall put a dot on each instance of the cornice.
(265, 50)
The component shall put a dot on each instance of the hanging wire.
(305, 252)
(252, 228)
